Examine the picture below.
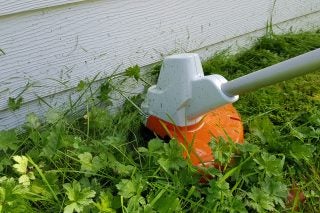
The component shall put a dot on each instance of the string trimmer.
(193, 108)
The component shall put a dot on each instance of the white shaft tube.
(288, 69)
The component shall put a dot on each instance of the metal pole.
(285, 70)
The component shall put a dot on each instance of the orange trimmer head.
(223, 122)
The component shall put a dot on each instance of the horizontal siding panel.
(9, 119)
(8, 7)
(52, 50)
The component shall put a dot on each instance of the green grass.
(104, 163)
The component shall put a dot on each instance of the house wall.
(50, 45)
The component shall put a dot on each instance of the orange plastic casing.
(223, 122)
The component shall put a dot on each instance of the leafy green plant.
(15, 103)
(133, 72)
(12, 196)
(21, 167)
(2, 52)
(78, 198)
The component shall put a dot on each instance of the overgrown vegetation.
(103, 163)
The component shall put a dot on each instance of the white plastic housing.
(183, 94)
